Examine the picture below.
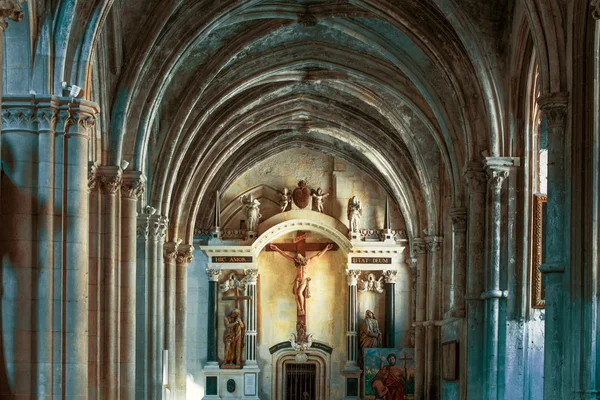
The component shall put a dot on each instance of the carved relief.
(301, 195)
(10, 9)
(419, 248)
(14, 118)
(371, 284)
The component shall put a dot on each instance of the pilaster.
(390, 307)
(351, 327)
(213, 282)
(251, 278)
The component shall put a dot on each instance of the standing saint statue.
(369, 335)
(319, 198)
(235, 331)
(251, 209)
(354, 214)
(301, 288)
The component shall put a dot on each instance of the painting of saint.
(389, 374)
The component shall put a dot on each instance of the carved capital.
(185, 254)
(250, 276)
(170, 252)
(213, 274)
(459, 219)
(18, 118)
(497, 178)
(46, 118)
(419, 248)
(82, 117)
(352, 276)
(92, 178)
(475, 178)
(133, 185)
(10, 9)
(554, 106)
(433, 243)
(595, 5)
(390, 276)
(158, 226)
(143, 222)
(110, 178)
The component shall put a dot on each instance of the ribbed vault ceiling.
(216, 87)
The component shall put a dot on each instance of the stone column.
(493, 294)
(143, 309)
(432, 373)
(170, 254)
(419, 251)
(213, 291)
(251, 276)
(477, 182)
(351, 326)
(110, 178)
(185, 256)
(131, 190)
(94, 282)
(554, 107)
(390, 308)
(459, 262)
(156, 274)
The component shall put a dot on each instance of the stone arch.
(305, 220)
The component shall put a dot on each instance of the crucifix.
(405, 359)
(301, 282)
(237, 297)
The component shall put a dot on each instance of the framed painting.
(539, 217)
(389, 371)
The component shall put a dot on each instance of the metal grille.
(301, 382)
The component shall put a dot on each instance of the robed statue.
(301, 289)
(369, 335)
(251, 209)
(354, 214)
(235, 331)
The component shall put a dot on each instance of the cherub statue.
(371, 284)
(318, 197)
(232, 283)
(251, 209)
(354, 214)
(285, 199)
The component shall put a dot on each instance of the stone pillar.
(493, 294)
(170, 254)
(94, 282)
(459, 262)
(432, 372)
(143, 309)
(251, 276)
(554, 107)
(131, 190)
(477, 182)
(185, 256)
(419, 251)
(110, 178)
(390, 308)
(213, 291)
(156, 305)
(352, 348)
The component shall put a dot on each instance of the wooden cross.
(405, 359)
(237, 298)
(299, 245)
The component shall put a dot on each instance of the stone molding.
(475, 178)
(459, 219)
(134, 184)
(352, 276)
(554, 106)
(185, 254)
(595, 6)
(213, 274)
(10, 9)
(110, 178)
(390, 276)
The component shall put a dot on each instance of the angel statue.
(354, 214)
(251, 209)
(371, 284)
(318, 197)
(285, 199)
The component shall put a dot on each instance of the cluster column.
(419, 252)
(351, 311)
(213, 291)
(170, 254)
(459, 262)
(131, 190)
(476, 179)
(554, 107)
(432, 373)
(251, 277)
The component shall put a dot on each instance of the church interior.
(300, 199)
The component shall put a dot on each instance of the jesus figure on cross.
(302, 279)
